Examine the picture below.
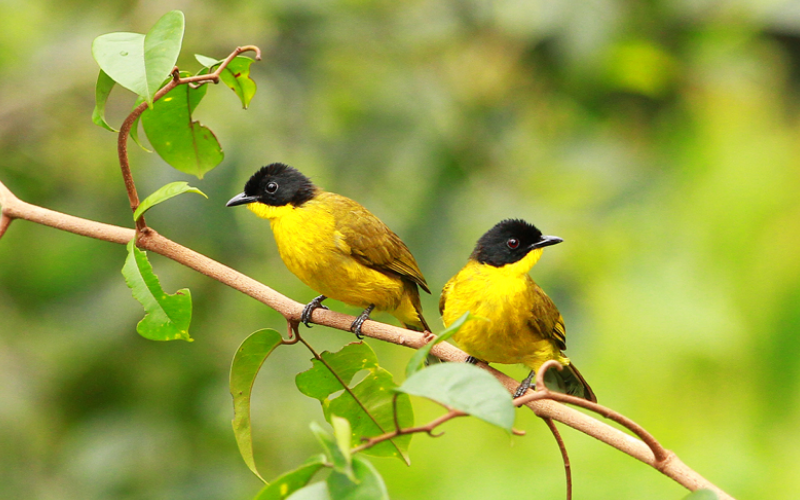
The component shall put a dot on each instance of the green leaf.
(375, 392)
(183, 143)
(141, 62)
(316, 491)
(417, 361)
(292, 481)
(244, 368)
(368, 485)
(339, 455)
(135, 127)
(702, 495)
(103, 88)
(464, 387)
(342, 434)
(207, 62)
(236, 75)
(164, 193)
(167, 317)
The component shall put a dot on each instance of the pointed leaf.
(164, 193)
(141, 62)
(183, 143)
(207, 62)
(339, 456)
(417, 361)
(368, 485)
(292, 481)
(244, 368)
(236, 75)
(103, 88)
(319, 382)
(316, 491)
(464, 387)
(375, 393)
(167, 317)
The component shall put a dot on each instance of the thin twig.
(659, 452)
(5, 221)
(564, 456)
(672, 466)
(410, 430)
(125, 128)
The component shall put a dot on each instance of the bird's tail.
(569, 381)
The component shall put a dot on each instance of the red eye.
(512, 243)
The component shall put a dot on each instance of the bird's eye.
(512, 243)
(272, 187)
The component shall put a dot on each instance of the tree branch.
(670, 465)
(564, 456)
(370, 442)
(125, 128)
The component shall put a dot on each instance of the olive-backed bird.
(336, 247)
(523, 324)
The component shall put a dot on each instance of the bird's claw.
(355, 327)
(474, 361)
(525, 385)
(305, 317)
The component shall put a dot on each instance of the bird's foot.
(428, 336)
(355, 327)
(474, 361)
(525, 385)
(305, 318)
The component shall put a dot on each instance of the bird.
(336, 247)
(516, 322)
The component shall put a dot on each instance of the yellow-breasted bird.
(336, 246)
(524, 325)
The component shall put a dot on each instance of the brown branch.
(564, 456)
(5, 221)
(671, 466)
(125, 128)
(410, 430)
(542, 392)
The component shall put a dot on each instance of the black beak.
(546, 241)
(241, 199)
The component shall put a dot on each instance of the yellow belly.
(504, 301)
(314, 251)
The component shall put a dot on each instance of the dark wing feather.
(372, 243)
(547, 320)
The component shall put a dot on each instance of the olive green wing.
(546, 320)
(372, 243)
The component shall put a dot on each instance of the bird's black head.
(276, 185)
(510, 241)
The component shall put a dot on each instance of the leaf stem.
(345, 386)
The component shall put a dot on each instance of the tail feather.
(569, 381)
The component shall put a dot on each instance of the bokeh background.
(660, 139)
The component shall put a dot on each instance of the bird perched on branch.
(524, 325)
(336, 246)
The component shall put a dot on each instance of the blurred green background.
(660, 139)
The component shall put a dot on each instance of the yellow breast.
(316, 252)
(504, 297)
